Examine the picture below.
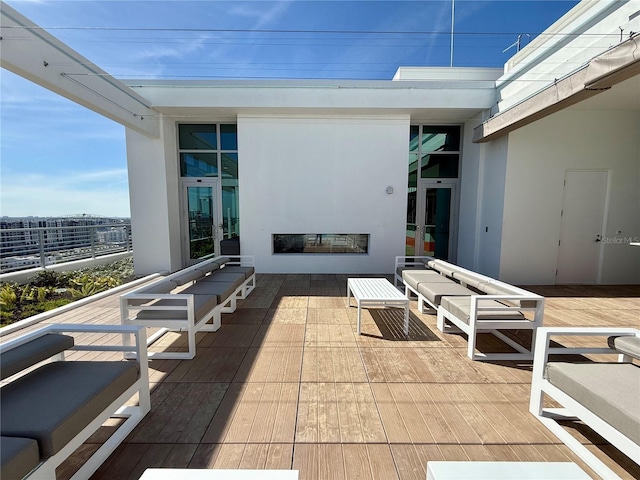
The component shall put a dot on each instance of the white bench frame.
(493, 326)
(571, 409)
(211, 322)
(475, 325)
(118, 408)
(408, 262)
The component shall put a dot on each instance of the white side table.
(376, 292)
(505, 471)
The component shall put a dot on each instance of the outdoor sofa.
(49, 406)
(472, 303)
(190, 300)
(604, 395)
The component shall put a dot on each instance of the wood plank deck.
(287, 383)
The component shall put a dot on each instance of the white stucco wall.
(491, 187)
(323, 174)
(539, 154)
(154, 200)
(468, 227)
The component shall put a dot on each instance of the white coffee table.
(376, 292)
(505, 471)
(216, 474)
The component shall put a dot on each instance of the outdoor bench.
(49, 406)
(472, 303)
(190, 300)
(603, 395)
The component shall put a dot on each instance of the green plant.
(50, 278)
(88, 286)
(8, 297)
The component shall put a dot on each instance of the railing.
(24, 248)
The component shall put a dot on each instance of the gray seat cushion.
(609, 390)
(206, 267)
(460, 307)
(187, 277)
(57, 400)
(35, 351)
(203, 305)
(491, 288)
(629, 345)
(18, 456)
(246, 271)
(162, 286)
(221, 291)
(435, 291)
(414, 277)
(234, 278)
(468, 278)
(444, 267)
(399, 270)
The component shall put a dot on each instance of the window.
(321, 243)
(211, 150)
(438, 151)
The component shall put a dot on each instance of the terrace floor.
(287, 384)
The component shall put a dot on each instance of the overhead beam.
(32, 53)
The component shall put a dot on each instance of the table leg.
(359, 316)
(406, 319)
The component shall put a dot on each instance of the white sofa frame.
(571, 409)
(475, 325)
(493, 326)
(132, 414)
(211, 322)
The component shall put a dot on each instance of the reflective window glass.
(413, 138)
(439, 166)
(229, 165)
(440, 139)
(197, 137)
(229, 137)
(198, 164)
(321, 243)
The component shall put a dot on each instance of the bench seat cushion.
(234, 278)
(57, 400)
(18, 456)
(399, 270)
(186, 277)
(35, 351)
(221, 291)
(470, 279)
(609, 390)
(206, 267)
(415, 277)
(203, 305)
(629, 345)
(460, 307)
(246, 271)
(435, 291)
(443, 267)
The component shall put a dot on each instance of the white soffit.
(616, 65)
(29, 51)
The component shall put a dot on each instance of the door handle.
(598, 238)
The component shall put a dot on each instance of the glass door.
(433, 231)
(202, 228)
(437, 230)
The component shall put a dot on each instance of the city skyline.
(58, 157)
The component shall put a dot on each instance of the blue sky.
(58, 158)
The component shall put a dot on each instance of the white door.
(202, 230)
(582, 226)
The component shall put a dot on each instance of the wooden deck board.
(287, 383)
